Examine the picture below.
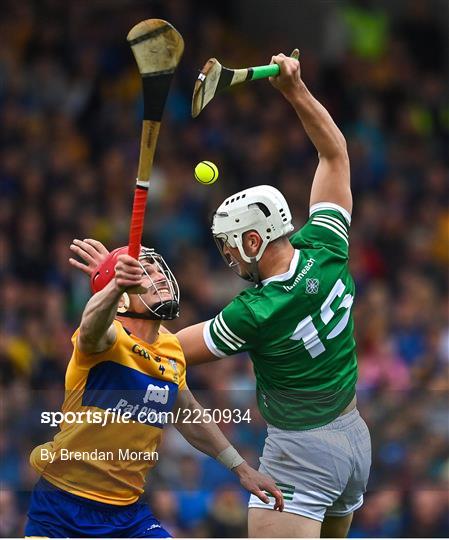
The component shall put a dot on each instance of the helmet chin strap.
(143, 316)
(254, 271)
(252, 275)
(160, 311)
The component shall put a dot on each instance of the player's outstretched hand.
(258, 484)
(129, 276)
(289, 77)
(92, 252)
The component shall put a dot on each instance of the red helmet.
(105, 271)
(163, 309)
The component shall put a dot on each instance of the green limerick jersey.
(298, 329)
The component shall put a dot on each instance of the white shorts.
(321, 471)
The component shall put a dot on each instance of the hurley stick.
(157, 48)
(214, 78)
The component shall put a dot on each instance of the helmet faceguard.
(160, 310)
(262, 209)
(252, 275)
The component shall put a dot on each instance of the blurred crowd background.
(70, 112)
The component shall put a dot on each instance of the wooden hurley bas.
(214, 78)
(157, 47)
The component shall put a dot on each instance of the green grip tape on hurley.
(272, 70)
(262, 72)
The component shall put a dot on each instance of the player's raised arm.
(332, 178)
(207, 437)
(97, 333)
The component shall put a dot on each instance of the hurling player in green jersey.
(296, 325)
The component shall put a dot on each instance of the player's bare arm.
(332, 178)
(193, 345)
(97, 333)
(209, 439)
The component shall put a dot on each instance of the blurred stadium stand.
(70, 111)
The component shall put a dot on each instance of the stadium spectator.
(70, 110)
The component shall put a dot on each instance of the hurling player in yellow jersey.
(129, 373)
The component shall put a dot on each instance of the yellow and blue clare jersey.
(131, 376)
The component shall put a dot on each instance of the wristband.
(230, 458)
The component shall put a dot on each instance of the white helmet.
(260, 208)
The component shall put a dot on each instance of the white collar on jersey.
(286, 275)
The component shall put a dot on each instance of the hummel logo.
(312, 285)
